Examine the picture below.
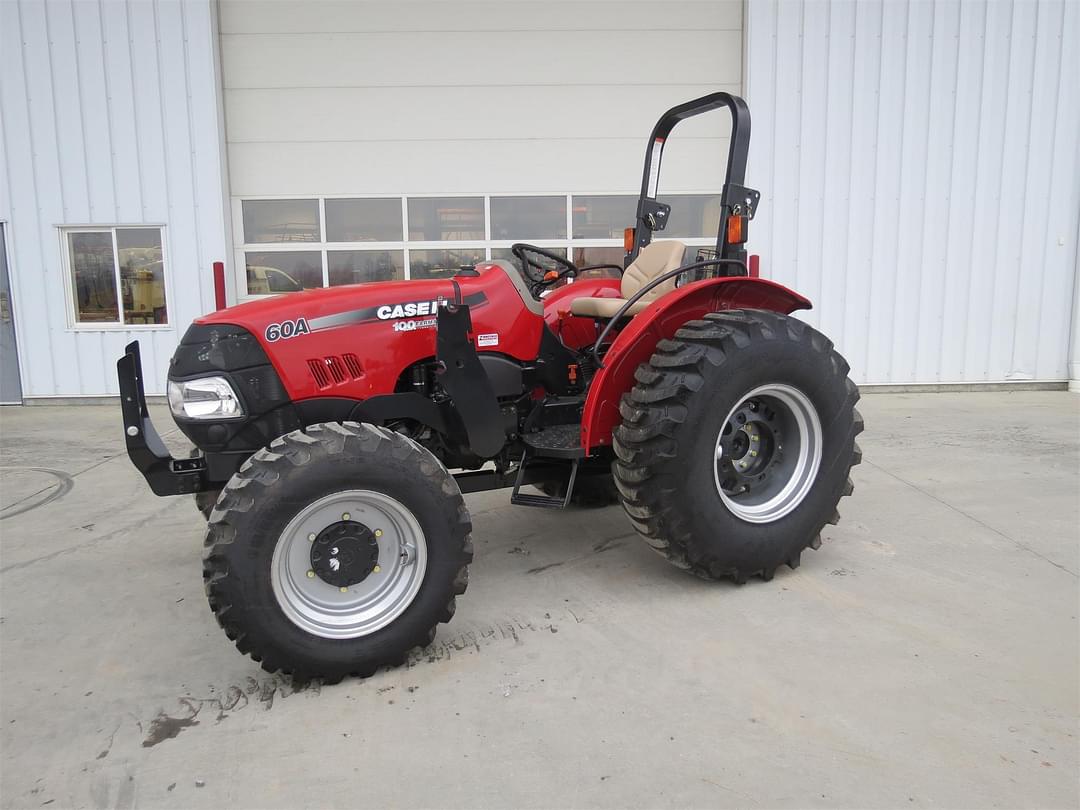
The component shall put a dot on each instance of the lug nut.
(310, 574)
(753, 453)
(345, 516)
(754, 438)
(378, 532)
(343, 590)
(311, 537)
(376, 569)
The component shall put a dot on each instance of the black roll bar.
(735, 198)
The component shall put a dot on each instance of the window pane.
(363, 221)
(584, 256)
(692, 216)
(283, 272)
(528, 217)
(358, 266)
(442, 263)
(93, 277)
(446, 218)
(603, 217)
(281, 221)
(142, 275)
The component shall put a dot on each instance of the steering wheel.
(538, 273)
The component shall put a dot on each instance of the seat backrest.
(653, 260)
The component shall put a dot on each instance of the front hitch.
(165, 475)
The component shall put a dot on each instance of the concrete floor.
(926, 656)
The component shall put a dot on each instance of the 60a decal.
(287, 329)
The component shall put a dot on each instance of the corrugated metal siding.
(920, 171)
(110, 116)
(431, 97)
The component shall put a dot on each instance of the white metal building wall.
(920, 169)
(421, 97)
(110, 116)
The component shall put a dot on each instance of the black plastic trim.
(463, 376)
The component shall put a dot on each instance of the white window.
(288, 245)
(115, 276)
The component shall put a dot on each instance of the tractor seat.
(654, 260)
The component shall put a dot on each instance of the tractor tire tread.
(298, 448)
(654, 408)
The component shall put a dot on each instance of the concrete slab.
(926, 656)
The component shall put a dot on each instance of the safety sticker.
(488, 340)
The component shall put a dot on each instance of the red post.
(755, 265)
(219, 285)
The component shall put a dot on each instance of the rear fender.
(636, 343)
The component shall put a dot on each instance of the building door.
(10, 386)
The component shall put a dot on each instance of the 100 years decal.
(287, 329)
(401, 313)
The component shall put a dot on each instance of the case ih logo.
(414, 309)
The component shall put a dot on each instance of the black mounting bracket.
(740, 200)
(165, 475)
(463, 377)
(655, 213)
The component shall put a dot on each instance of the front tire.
(205, 500)
(336, 550)
(736, 443)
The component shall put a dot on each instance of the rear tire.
(736, 444)
(404, 533)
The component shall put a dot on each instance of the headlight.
(204, 398)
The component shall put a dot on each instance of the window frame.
(73, 323)
(487, 244)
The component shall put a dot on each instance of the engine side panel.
(636, 343)
(354, 342)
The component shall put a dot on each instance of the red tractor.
(337, 429)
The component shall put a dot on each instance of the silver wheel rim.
(365, 607)
(767, 453)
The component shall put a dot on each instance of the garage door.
(391, 140)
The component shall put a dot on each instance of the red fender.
(661, 319)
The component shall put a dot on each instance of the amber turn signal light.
(628, 237)
(736, 229)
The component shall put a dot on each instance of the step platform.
(557, 441)
(554, 442)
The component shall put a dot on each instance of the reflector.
(735, 229)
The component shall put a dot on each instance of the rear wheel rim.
(382, 586)
(767, 453)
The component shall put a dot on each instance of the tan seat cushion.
(604, 307)
(654, 260)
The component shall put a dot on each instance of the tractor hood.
(356, 341)
(282, 317)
